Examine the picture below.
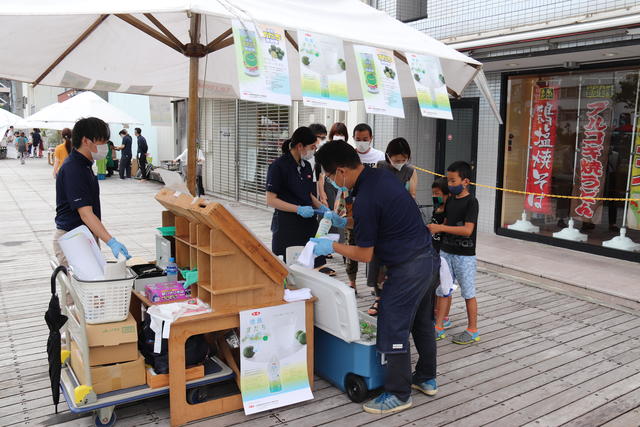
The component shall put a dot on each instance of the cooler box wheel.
(356, 388)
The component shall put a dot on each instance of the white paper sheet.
(306, 258)
(83, 254)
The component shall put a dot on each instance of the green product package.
(190, 277)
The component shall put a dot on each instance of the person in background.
(369, 156)
(183, 159)
(440, 194)
(458, 246)
(62, 151)
(77, 189)
(326, 192)
(397, 156)
(22, 144)
(125, 154)
(9, 137)
(112, 159)
(141, 155)
(36, 143)
(292, 193)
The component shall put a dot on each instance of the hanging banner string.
(527, 193)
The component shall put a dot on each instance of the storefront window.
(573, 134)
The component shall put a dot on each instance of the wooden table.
(220, 320)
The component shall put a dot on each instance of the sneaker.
(428, 387)
(440, 334)
(386, 403)
(447, 323)
(466, 337)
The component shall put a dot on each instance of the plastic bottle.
(172, 270)
(325, 225)
(273, 369)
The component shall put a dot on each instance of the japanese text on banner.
(543, 137)
(379, 81)
(633, 214)
(592, 160)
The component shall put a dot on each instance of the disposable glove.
(305, 211)
(321, 210)
(338, 221)
(118, 248)
(323, 246)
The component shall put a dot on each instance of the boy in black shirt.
(458, 247)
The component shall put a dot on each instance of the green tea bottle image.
(249, 53)
(273, 371)
(369, 70)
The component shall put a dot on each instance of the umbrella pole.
(192, 123)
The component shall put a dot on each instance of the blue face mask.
(437, 201)
(336, 186)
(456, 189)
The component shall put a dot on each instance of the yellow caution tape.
(527, 193)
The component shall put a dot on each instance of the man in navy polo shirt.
(387, 222)
(77, 190)
(125, 154)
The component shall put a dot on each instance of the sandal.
(373, 310)
(328, 271)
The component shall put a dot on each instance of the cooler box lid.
(336, 310)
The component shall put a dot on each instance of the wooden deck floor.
(544, 358)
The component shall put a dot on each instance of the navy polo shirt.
(126, 141)
(387, 218)
(290, 181)
(76, 187)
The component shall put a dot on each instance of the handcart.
(81, 398)
(345, 343)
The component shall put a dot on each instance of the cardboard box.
(162, 380)
(113, 342)
(109, 377)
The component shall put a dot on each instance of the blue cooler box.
(342, 356)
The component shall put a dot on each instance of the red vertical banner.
(592, 160)
(542, 142)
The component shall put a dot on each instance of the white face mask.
(363, 146)
(338, 138)
(322, 141)
(308, 155)
(103, 149)
(398, 166)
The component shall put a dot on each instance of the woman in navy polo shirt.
(291, 191)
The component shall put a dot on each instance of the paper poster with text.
(273, 357)
(261, 62)
(431, 88)
(379, 81)
(633, 214)
(323, 71)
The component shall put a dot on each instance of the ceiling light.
(609, 54)
(512, 64)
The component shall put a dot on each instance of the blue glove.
(118, 248)
(338, 221)
(305, 211)
(323, 246)
(321, 210)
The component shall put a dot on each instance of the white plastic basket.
(104, 301)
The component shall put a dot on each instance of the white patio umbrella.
(64, 114)
(177, 47)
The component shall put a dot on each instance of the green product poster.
(261, 62)
(323, 71)
(430, 85)
(379, 81)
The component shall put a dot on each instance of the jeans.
(142, 165)
(125, 167)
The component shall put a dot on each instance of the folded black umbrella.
(55, 320)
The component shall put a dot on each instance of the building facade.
(567, 56)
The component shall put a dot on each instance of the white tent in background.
(64, 114)
(177, 47)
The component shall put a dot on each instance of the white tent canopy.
(64, 114)
(8, 119)
(117, 56)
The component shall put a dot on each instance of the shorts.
(463, 268)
